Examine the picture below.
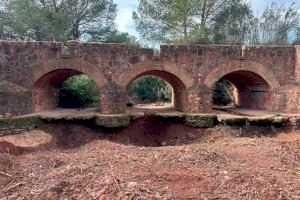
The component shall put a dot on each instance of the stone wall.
(39, 67)
(14, 99)
(200, 61)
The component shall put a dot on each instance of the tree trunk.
(75, 31)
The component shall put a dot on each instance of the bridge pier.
(112, 99)
(199, 100)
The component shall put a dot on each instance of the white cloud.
(124, 19)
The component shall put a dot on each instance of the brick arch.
(146, 68)
(176, 77)
(80, 66)
(235, 66)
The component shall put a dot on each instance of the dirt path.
(81, 163)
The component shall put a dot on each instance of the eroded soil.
(151, 159)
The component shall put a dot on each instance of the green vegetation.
(56, 20)
(215, 22)
(79, 91)
(113, 36)
(151, 89)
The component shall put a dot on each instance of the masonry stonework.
(266, 77)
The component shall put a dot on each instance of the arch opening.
(242, 89)
(64, 88)
(162, 90)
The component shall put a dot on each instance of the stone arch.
(176, 77)
(144, 67)
(234, 66)
(253, 83)
(80, 66)
(45, 82)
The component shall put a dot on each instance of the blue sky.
(125, 7)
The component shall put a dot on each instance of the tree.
(174, 20)
(232, 23)
(59, 20)
(112, 35)
(278, 25)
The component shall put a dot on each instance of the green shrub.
(151, 89)
(78, 91)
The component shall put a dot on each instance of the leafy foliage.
(165, 21)
(54, 19)
(182, 21)
(278, 25)
(151, 89)
(215, 22)
(78, 91)
(231, 24)
(111, 35)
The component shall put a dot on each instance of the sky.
(125, 22)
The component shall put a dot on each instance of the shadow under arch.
(179, 80)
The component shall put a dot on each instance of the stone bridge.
(266, 77)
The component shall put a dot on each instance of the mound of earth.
(219, 163)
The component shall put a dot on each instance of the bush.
(151, 89)
(78, 91)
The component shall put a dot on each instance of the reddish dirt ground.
(136, 163)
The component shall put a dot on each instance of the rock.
(112, 121)
(132, 185)
(8, 115)
(201, 121)
(233, 120)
